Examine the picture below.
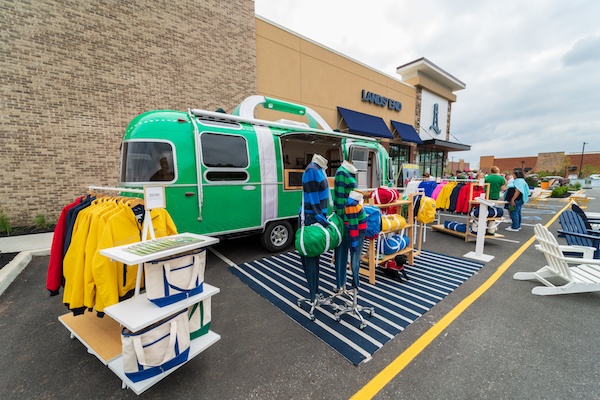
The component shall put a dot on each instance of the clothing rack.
(102, 336)
(147, 228)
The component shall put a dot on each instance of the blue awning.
(407, 132)
(365, 124)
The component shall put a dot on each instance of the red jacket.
(55, 266)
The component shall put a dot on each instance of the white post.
(481, 228)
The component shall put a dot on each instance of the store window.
(147, 161)
(225, 156)
(431, 161)
(399, 155)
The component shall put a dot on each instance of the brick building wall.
(554, 162)
(74, 73)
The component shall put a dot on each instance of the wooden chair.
(576, 233)
(591, 220)
(578, 197)
(581, 200)
(539, 199)
(581, 278)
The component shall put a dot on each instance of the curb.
(11, 270)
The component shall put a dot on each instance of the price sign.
(154, 197)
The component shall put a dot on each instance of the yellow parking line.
(395, 367)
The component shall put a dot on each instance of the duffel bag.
(315, 239)
(455, 226)
(385, 195)
(390, 244)
(157, 348)
(392, 222)
(169, 280)
(493, 212)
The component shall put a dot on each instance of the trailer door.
(230, 182)
(365, 161)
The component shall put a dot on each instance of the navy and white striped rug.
(280, 279)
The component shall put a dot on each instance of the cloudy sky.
(532, 68)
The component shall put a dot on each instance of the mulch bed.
(5, 258)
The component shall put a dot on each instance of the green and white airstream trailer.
(232, 174)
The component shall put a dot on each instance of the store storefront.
(410, 114)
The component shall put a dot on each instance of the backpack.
(373, 221)
(426, 213)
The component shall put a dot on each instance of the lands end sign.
(381, 101)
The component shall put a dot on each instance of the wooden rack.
(370, 258)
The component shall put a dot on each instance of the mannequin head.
(320, 161)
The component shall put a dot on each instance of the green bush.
(4, 223)
(41, 222)
(532, 181)
(560, 191)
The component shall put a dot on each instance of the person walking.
(517, 194)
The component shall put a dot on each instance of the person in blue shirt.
(520, 196)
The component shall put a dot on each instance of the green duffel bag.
(315, 239)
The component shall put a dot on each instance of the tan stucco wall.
(295, 69)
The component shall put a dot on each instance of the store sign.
(381, 100)
(154, 197)
(434, 125)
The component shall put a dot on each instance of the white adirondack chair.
(581, 278)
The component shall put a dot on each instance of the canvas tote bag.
(157, 348)
(199, 316)
(169, 280)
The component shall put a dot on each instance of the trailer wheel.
(277, 236)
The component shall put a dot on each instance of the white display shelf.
(197, 346)
(138, 312)
(121, 254)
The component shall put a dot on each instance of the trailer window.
(147, 162)
(224, 151)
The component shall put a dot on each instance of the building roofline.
(427, 68)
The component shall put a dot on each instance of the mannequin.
(344, 184)
(315, 192)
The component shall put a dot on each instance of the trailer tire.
(278, 235)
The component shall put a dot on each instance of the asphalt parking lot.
(489, 339)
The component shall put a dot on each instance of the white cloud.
(530, 67)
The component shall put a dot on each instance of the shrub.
(4, 223)
(560, 191)
(41, 222)
(532, 181)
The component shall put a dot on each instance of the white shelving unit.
(138, 312)
(100, 335)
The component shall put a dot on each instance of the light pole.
(581, 161)
(522, 170)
